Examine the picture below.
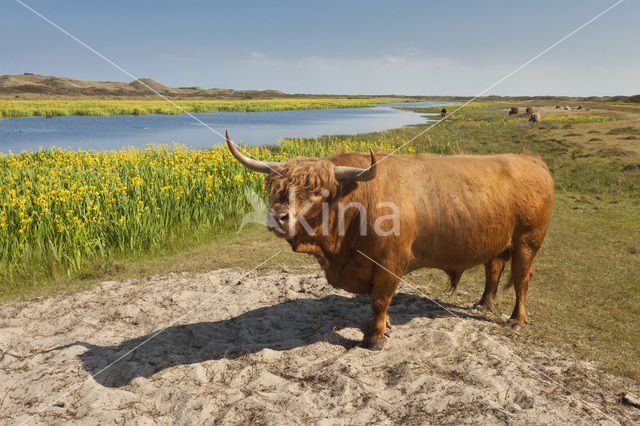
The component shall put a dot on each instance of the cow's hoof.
(373, 345)
(482, 308)
(515, 324)
(387, 331)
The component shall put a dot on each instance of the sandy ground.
(278, 348)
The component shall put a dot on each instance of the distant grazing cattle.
(529, 110)
(558, 106)
(443, 112)
(450, 212)
(514, 110)
(567, 108)
(579, 107)
(535, 118)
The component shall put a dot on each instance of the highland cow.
(451, 213)
(534, 118)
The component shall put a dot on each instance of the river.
(251, 128)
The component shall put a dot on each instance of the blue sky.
(344, 47)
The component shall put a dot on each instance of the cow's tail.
(509, 282)
(505, 256)
(454, 279)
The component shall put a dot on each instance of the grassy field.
(60, 210)
(53, 108)
(584, 297)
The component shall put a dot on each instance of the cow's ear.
(356, 174)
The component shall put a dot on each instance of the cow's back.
(459, 211)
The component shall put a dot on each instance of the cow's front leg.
(383, 288)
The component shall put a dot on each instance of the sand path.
(278, 348)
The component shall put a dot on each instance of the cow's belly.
(459, 250)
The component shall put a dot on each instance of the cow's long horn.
(357, 174)
(250, 163)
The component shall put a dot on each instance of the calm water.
(252, 128)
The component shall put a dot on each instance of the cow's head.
(301, 187)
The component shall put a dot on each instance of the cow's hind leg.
(492, 272)
(524, 251)
(384, 286)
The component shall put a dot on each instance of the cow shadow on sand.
(283, 326)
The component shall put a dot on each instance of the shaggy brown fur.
(309, 176)
(455, 212)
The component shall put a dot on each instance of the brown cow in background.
(529, 110)
(453, 213)
(534, 118)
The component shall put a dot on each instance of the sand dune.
(33, 86)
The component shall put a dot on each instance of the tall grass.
(61, 208)
(625, 106)
(22, 108)
(577, 118)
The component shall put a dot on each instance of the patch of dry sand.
(276, 348)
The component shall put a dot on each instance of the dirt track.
(277, 348)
